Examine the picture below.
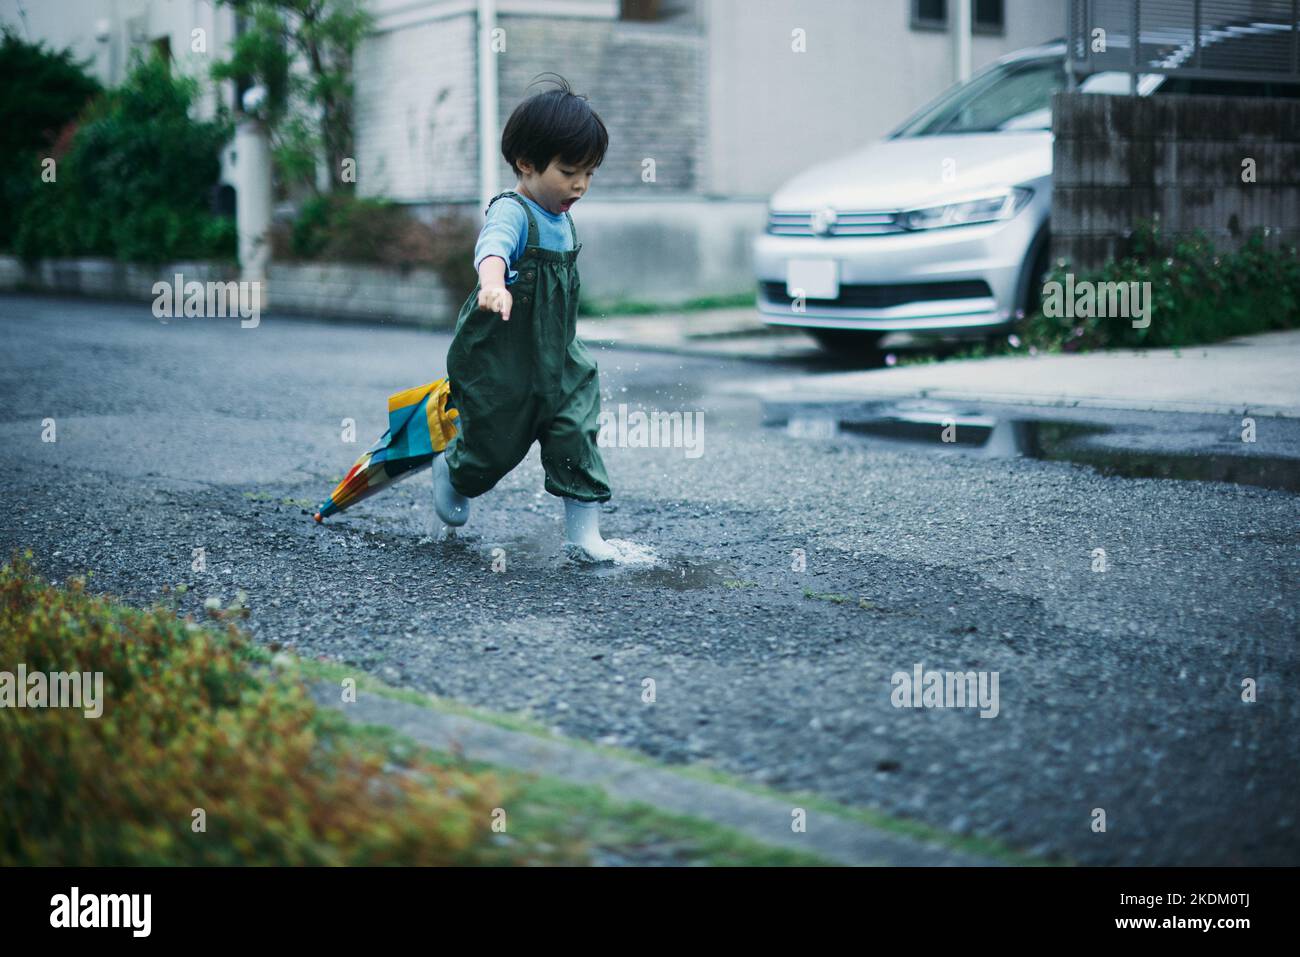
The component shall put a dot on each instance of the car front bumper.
(964, 279)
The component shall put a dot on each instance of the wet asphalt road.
(1118, 690)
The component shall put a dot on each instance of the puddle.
(906, 422)
(963, 430)
(1083, 444)
(972, 432)
(1263, 471)
(678, 576)
(636, 563)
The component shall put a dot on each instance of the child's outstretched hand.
(496, 300)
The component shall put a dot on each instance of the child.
(517, 371)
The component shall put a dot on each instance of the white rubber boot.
(451, 506)
(582, 532)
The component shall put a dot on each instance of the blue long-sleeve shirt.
(505, 233)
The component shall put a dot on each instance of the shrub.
(42, 93)
(188, 723)
(137, 180)
(43, 90)
(340, 228)
(1198, 295)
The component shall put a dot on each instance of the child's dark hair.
(559, 123)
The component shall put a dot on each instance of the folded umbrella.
(421, 421)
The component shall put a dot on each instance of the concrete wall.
(329, 290)
(95, 276)
(668, 250)
(1174, 159)
(415, 297)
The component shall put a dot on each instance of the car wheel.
(846, 344)
(1039, 266)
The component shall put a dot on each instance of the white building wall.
(105, 32)
(774, 112)
(417, 93)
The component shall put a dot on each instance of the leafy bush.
(1198, 295)
(137, 180)
(42, 94)
(341, 228)
(188, 723)
(43, 90)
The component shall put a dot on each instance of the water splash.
(629, 554)
(633, 554)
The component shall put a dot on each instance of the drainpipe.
(1071, 81)
(961, 27)
(488, 137)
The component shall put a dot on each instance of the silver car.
(939, 228)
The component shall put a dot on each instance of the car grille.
(846, 224)
(882, 297)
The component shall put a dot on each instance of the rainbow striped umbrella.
(421, 421)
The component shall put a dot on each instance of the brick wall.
(1176, 160)
(416, 112)
(646, 80)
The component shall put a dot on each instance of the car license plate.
(812, 278)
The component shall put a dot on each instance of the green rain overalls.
(528, 379)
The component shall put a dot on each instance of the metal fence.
(1255, 40)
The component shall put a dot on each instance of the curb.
(810, 391)
(765, 819)
(755, 348)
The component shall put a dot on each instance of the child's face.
(559, 187)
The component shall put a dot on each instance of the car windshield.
(1012, 96)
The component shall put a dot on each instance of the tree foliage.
(137, 180)
(41, 93)
(301, 53)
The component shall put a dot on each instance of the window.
(1008, 97)
(639, 9)
(987, 16)
(163, 48)
(929, 14)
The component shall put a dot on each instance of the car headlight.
(982, 209)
